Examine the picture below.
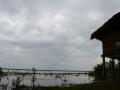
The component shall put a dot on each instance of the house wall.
(111, 44)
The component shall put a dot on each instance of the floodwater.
(46, 79)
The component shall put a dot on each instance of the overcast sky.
(39, 33)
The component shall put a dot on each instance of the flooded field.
(44, 79)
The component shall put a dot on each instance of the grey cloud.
(41, 32)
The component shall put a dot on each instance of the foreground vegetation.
(104, 85)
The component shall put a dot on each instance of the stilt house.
(109, 35)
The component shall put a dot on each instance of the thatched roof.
(110, 26)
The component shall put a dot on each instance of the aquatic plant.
(33, 77)
(16, 83)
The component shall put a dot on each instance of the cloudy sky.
(40, 33)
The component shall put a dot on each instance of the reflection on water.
(46, 79)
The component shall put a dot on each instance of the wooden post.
(113, 68)
(104, 70)
(119, 63)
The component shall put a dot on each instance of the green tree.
(1, 72)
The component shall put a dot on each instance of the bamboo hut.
(109, 35)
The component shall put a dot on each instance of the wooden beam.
(113, 68)
(104, 70)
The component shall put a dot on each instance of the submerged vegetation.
(33, 79)
(98, 84)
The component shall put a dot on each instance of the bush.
(1, 72)
(97, 72)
